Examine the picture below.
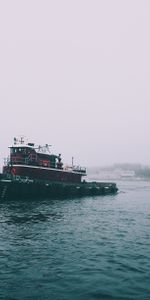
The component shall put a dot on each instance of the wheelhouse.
(27, 155)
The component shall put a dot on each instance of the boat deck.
(21, 189)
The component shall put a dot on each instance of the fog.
(76, 74)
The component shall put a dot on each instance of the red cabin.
(37, 163)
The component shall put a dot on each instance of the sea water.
(86, 248)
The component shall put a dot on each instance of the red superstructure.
(37, 163)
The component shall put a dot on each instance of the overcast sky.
(76, 74)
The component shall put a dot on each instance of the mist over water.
(89, 248)
(75, 74)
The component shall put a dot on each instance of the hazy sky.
(76, 74)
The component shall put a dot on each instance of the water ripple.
(90, 248)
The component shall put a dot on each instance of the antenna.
(15, 140)
(72, 160)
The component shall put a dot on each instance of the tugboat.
(37, 163)
(34, 172)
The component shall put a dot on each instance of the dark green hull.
(10, 189)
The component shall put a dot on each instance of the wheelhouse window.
(19, 150)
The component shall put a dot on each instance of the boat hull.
(10, 189)
(41, 173)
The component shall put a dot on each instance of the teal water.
(89, 248)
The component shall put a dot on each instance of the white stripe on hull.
(47, 168)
